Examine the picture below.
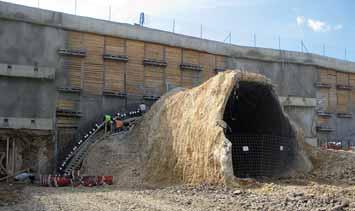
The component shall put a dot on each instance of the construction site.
(100, 115)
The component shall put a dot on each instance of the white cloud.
(300, 20)
(318, 26)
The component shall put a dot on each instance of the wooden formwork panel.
(208, 61)
(115, 46)
(73, 67)
(172, 71)
(66, 121)
(75, 40)
(332, 99)
(190, 57)
(342, 101)
(352, 79)
(323, 120)
(342, 78)
(93, 78)
(135, 68)
(94, 45)
(190, 79)
(114, 76)
(332, 77)
(220, 61)
(66, 104)
(154, 51)
(323, 99)
(323, 76)
(154, 81)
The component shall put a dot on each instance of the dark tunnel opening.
(262, 138)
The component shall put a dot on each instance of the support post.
(7, 156)
(174, 26)
(201, 31)
(76, 4)
(13, 156)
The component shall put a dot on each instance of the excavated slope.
(180, 140)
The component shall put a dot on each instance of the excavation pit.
(262, 137)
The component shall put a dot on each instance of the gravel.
(277, 195)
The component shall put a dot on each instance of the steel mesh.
(261, 155)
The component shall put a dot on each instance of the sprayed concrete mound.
(230, 126)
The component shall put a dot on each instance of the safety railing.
(79, 151)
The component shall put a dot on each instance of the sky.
(318, 26)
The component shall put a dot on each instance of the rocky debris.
(281, 195)
(332, 166)
(10, 194)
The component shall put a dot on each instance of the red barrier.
(76, 181)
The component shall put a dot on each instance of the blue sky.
(328, 24)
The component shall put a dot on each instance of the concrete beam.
(26, 71)
(15, 12)
(26, 123)
(298, 101)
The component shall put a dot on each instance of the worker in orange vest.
(118, 125)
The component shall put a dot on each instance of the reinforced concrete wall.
(70, 70)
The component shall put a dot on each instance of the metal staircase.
(74, 158)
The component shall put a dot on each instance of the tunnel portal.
(262, 138)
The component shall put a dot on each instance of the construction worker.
(118, 125)
(108, 122)
(142, 107)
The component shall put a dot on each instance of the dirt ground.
(295, 194)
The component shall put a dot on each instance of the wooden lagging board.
(67, 122)
(190, 78)
(342, 78)
(332, 79)
(114, 80)
(342, 96)
(323, 120)
(73, 67)
(332, 91)
(208, 61)
(154, 51)
(323, 98)
(343, 101)
(153, 75)
(115, 46)
(173, 72)
(66, 104)
(135, 68)
(75, 40)
(153, 81)
(93, 78)
(323, 76)
(352, 83)
(114, 76)
(220, 62)
(93, 64)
